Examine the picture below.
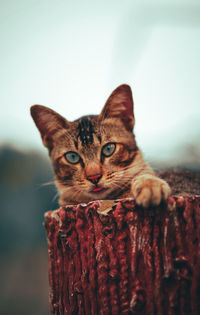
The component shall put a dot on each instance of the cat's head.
(92, 156)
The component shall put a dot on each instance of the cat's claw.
(149, 190)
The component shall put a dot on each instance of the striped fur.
(122, 174)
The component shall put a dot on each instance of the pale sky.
(70, 55)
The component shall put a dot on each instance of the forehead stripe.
(86, 131)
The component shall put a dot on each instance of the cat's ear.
(120, 105)
(48, 122)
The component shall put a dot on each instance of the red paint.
(131, 261)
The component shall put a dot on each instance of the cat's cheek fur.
(149, 190)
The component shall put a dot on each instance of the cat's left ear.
(120, 105)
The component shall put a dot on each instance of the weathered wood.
(117, 258)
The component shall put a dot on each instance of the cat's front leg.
(148, 189)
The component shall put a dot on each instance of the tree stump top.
(113, 257)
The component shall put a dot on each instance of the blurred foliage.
(24, 197)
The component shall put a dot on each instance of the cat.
(96, 157)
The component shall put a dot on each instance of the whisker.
(55, 197)
(47, 183)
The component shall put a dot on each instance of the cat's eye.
(72, 157)
(108, 149)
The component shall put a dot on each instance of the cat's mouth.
(98, 189)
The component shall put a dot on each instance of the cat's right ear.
(48, 122)
(120, 105)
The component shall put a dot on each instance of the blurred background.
(70, 55)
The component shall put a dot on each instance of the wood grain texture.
(113, 257)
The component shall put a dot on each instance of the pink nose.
(94, 178)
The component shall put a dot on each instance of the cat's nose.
(94, 178)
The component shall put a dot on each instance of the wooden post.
(117, 258)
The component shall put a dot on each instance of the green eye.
(72, 157)
(108, 149)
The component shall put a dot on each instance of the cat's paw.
(149, 190)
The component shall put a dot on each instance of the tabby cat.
(96, 156)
